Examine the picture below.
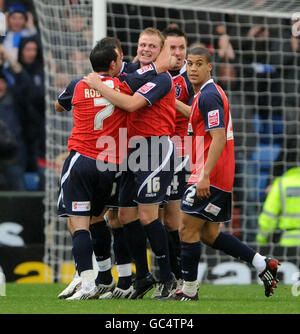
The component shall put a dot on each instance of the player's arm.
(147, 94)
(64, 101)
(123, 101)
(58, 107)
(183, 108)
(214, 153)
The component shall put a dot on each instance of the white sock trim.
(87, 276)
(104, 265)
(190, 288)
(95, 266)
(259, 262)
(124, 269)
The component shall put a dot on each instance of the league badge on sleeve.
(145, 69)
(213, 118)
(147, 87)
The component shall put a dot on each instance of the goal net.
(256, 61)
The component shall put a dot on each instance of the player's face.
(178, 50)
(149, 47)
(198, 70)
(119, 61)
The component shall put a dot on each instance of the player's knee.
(147, 216)
(113, 219)
(188, 232)
(171, 223)
(208, 236)
(126, 216)
(122, 217)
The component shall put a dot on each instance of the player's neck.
(196, 88)
(110, 73)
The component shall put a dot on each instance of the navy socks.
(82, 250)
(231, 245)
(122, 256)
(158, 239)
(136, 239)
(101, 237)
(175, 252)
(190, 257)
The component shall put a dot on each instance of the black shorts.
(84, 190)
(180, 179)
(217, 208)
(150, 184)
(113, 201)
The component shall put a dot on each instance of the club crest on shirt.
(177, 91)
(147, 87)
(213, 118)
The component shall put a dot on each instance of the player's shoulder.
(74, 82)
(110, 81)
(210, 90)
(210, 96)
(164, 77)
(129, 67)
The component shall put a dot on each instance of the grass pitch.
(213, 299)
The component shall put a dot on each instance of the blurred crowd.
(22, 96)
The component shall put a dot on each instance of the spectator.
(79, 62)
(280, 219)
(20, 23)
(31, 60)
(18, 82)
(12, 162)
(285, 57)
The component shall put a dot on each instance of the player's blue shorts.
(149, 180)
(84, 190)
(217, 208)
(180, 178)
(113, 201)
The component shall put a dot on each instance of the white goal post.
(261, 78)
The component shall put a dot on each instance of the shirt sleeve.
(139, 77)
(190, 92)
(65, 98)
(128, 67)
(157, 88)
(212, 109)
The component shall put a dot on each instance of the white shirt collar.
(206, 83)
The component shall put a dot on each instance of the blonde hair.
(154, 32)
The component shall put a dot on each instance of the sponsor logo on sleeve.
(145, 69)
(147, 87)
(81, 206)
(213, 118)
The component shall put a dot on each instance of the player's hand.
(93, 80)
(203, 187)
(163, 60)
(172, 62)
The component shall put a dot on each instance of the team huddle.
(151, 160)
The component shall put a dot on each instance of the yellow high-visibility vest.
(281, 210)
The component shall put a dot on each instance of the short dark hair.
(111, 41)
(198, 51)
(170, 31)
(101, 57)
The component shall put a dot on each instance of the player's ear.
(112, 65)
